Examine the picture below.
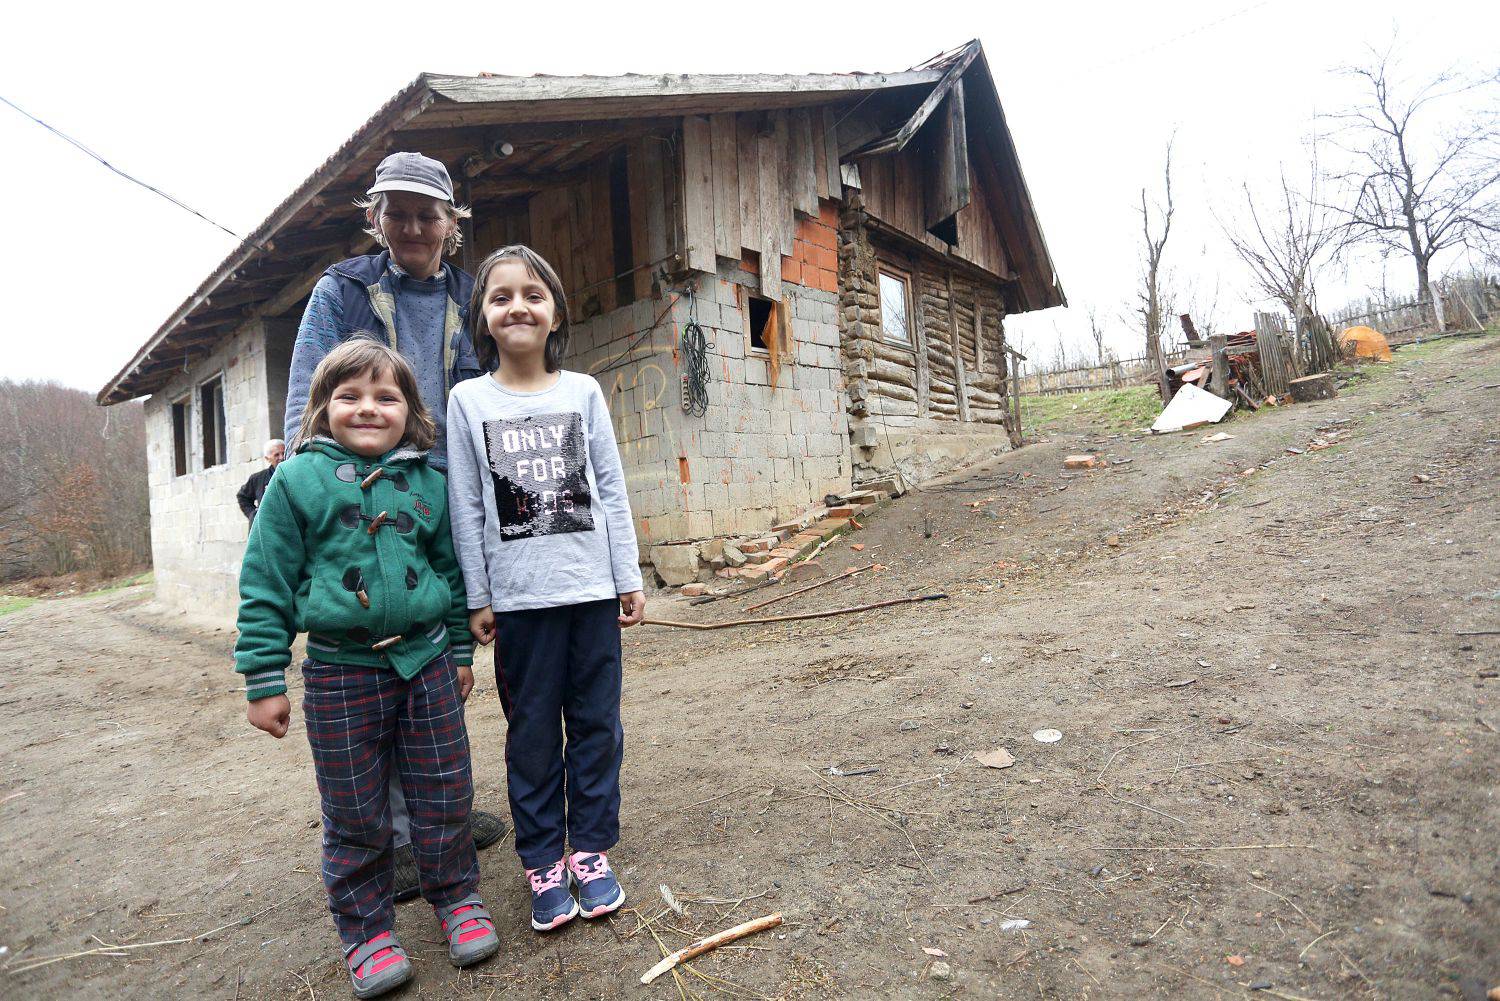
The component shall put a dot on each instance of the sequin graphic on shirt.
(537, 467)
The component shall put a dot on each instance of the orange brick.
(791, 270)
(828, 281)
(774, 566)
(828, 212)
(825, 258)
(751, 262)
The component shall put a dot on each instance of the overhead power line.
(132, 179)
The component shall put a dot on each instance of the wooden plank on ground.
(726, 182)
(698, 193)
(748, 147)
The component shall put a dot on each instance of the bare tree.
(1096, 337)
(1286, 240)
(1414, 189)
(1155, 307)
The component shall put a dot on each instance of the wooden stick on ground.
(792, 618)
(701, 946)
(802, 590)
(1194, 848)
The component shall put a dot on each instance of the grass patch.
(1104, 409)
(14, 603)
(148, 577)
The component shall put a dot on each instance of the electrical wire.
(134, 180)
(695, 347)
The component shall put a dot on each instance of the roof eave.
(405, 105)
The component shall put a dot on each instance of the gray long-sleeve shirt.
(536, 495)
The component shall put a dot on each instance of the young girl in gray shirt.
(542, 528)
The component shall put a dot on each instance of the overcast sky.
(228, 113)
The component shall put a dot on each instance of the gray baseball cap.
(413, 172)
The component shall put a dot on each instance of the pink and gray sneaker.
(378, 966)
(552, 905)
(599, 893)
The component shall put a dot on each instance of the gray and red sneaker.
(378, 966)
(599, 893)
(551, 904)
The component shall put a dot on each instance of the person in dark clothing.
(255, 487)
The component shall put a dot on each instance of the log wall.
(955, 370)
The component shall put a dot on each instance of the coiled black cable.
(695, 349)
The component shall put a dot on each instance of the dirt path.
(1241, 646)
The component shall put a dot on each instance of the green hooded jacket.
(379, 592)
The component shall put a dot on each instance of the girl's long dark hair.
(479, 334)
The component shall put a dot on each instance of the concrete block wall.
(197, 531)
(767, 447)
(762, 451)
(630, 351)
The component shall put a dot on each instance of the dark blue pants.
(558, 669)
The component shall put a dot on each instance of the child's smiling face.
(367, 414)
(519, 311)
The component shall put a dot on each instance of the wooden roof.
(554, 125)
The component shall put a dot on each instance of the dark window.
(895, 311)
(619, 217)
(180, 438)
(211, 406)
(761, 312)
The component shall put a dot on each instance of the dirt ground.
(1273, 675)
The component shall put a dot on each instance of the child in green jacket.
(351, 544)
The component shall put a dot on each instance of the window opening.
(894, 309)
(180, 438)
(215, 438)
(761, 311)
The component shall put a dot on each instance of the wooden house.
(847, 245)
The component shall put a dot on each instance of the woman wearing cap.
(409, 296)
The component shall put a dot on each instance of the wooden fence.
(1469, 303)
(1117, 373)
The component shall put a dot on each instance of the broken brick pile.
(756, 557)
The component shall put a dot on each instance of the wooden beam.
(407, 105)
(747, 143)
(602, 90)
(897, 142)
(947, 187)
(726, 186)
(698, 193)
(960, 380)
(834, 180)
(919, 339)
(768, 170)
(801, 162)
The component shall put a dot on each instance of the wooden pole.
(703, 945)
(1219, 353)
(803, 590)
(792, 618)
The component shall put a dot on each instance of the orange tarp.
(1365, 342)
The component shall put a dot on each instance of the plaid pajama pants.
(360, 722)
